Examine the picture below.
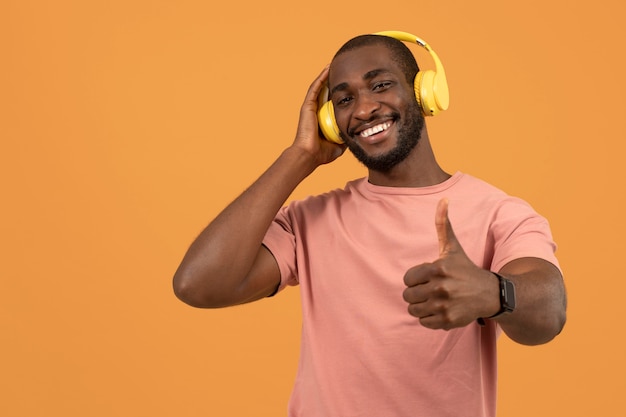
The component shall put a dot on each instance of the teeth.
(375, 129)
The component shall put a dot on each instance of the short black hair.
(400, 53)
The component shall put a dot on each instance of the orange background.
(125, 126)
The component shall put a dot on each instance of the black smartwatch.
(507, 298)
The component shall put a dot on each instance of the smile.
(375, 129)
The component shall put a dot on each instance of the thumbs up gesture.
(451, 291)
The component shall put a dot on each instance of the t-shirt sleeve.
(520, 232)
(280, 240)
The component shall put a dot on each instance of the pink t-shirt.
(362, 354)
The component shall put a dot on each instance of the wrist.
(506, 296)
(299, 157)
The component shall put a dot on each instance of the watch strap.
(507, 298)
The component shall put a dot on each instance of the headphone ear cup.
(431, 91)
(327, 123)
(425, 92)
(416, 86)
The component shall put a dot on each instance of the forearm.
(540, 312)
(220, 259)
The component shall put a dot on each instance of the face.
(375, 107)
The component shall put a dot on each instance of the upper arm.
(530, 265)
(216, 289)
(262, 281)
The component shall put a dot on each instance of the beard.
(409, 134)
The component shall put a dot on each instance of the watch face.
(509, 294)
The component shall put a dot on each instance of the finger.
(435, 322)
(416, 294)
(419, 310)
(308, 123)
(418, 275)
(430, 316)
(317, 86)
(445, 234)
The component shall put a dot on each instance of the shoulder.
(470, 185)
(475, 201)
(470, 188)
(333, 198)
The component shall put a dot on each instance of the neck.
(419, 169)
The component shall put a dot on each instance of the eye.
(381, 85)
(342, 101)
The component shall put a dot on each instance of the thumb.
(447, 239)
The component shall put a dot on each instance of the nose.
(366, 106)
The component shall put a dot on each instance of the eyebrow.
(367, 76)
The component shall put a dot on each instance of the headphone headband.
(440, 86)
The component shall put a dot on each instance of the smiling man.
(407, 276)
(364, 132)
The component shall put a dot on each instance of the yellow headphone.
(431, 90)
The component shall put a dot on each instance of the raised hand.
(308, 135)
(451, 291)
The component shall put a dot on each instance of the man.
(407, 276)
